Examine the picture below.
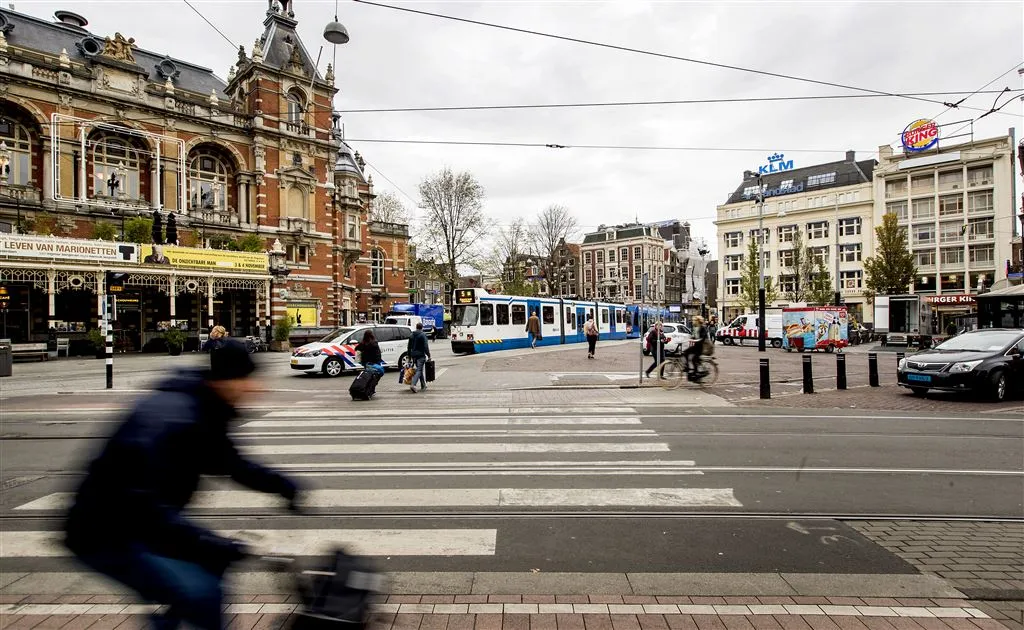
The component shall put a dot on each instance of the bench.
(30, 351)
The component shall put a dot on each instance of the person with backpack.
(419, 352)
(592, 333)
(128, 522)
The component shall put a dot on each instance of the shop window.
(377, 268)
(952, 282)
(19, 143)
(208, 182)
(115, 161)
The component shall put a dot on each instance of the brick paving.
(886, 397)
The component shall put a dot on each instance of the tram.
(485, 322)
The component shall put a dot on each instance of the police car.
(336, 352)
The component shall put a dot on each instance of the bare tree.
(552, 225)
(454, 221)
(510, 245)
(386, 207)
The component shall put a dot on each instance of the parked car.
(678, 338)
(989, 361)
(335, 353)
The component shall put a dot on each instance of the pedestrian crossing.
(425, 468)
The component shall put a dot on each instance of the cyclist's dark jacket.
(134, 492)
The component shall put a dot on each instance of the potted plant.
(282, 333)
(98, 341)
(175, 341)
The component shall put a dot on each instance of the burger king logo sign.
(920, 135)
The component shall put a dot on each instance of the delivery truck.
(431, 315)
(815, 328)
(903, 320)
(744, 329)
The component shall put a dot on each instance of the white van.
(404, 320)
(336, 352)
(745, 329)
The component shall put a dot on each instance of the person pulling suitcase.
(368, 353)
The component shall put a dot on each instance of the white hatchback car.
(678, 338)
(336, 352)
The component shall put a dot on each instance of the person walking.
(656, 341)
(127, 522)
(533, 328)
(419, 351)
(592, 333)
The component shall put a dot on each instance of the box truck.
(815, 328)
(903, 320)
(431, 315)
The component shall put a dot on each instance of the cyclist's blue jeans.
(192, 593)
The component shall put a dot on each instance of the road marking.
(301, 542)
(435, 433)
(430, 422)
(447, 497)
(454, 447)
(451, 411)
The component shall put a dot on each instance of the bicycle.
(672, 372)
(255, 344)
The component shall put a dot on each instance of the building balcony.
(15, 194)
(390, 229)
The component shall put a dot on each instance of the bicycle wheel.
(711, 367)
(671, 373)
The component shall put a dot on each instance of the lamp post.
(5, 170)
(761, 328)
(278, 271)
(838, 297)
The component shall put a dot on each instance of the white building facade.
(959, 207)
(831, 205)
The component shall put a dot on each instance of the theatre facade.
(99, 135)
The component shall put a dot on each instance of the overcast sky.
(398, 59)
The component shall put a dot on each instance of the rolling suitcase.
(336, 594)
(431, 372)
(362, 386)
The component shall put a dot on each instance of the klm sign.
(776, 164)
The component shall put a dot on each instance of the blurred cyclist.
(127, 520)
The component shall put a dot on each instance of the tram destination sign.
(55, 248)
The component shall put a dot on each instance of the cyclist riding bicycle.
(127, 520)
(696, 349)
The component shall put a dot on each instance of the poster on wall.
(52, 247)
(303, 316)
(206, 259)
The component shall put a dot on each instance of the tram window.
(568, 315)
(574, 320)
(604, 316)
(486, 315)
(548, 313)
(518, 314)
(501, 314)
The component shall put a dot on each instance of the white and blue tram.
(484, 322)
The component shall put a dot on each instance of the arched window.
(296, 106)
(19, 143)
(377, 268)
(115, 160)
(208, 179)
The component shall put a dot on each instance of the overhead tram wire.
(981, 90)
(219, 32)
(652, 53)
(543, 145)
(522, 106)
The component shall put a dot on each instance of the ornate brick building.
(98, 130)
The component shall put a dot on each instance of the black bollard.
(899, 357)
(766, 386)
(841, 371)
(808, 378)
(873, 369)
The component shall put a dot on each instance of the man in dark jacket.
(419, 352)
(127, 520)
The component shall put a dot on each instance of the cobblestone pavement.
(543, 612)
(985, 561)
(888, 397)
